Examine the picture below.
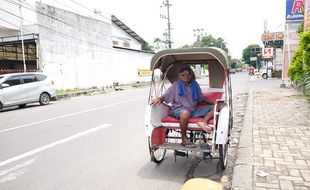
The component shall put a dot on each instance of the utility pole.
(167, 4)
(22, 33)
(200, 34)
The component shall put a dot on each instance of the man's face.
(185, 76)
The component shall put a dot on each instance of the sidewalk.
(274, 148)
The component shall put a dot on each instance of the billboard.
(294, 10)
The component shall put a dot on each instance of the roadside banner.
(144, 72)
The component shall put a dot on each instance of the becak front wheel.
(157, 154)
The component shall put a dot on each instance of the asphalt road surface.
(93, 142)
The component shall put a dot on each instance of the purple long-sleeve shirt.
(172, 96)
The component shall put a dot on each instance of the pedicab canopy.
(172, 60)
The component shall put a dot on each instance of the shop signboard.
(294, 10)
(268, 53)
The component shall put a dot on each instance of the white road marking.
(51, 145)
(68, 115)
(13, 173)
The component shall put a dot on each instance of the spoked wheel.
(157, 155)
(223, 155)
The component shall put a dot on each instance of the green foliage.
(146, 47)
(305, 45)
(304, 83)
(295, 70)
(234, 63)
(299, 70)
(300, 28)
(208, 41)
(246, 54)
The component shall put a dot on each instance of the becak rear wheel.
(223, 155)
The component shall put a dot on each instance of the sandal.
(188, 145)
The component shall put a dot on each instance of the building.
(307, 15)
(294, 17)
(77, 51)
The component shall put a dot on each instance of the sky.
(239, 22)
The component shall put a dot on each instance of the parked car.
(232, 71)
(266, 72)
(19, 89)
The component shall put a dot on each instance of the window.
(28, 78)
(126, 44)
(13, 81)
(40, 77)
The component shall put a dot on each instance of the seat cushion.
(171, 122)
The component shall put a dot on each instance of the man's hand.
(156, 101)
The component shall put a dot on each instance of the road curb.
(243, 170)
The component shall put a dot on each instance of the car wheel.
(265, 76)
(1, 106)
(44, 98)
(22, 105)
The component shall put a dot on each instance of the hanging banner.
(294, 10)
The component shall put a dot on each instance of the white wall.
(126, 64)
(77, 54)
(121, 36)
(278, 60)
(4, 32)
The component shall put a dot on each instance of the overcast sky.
(239, 22)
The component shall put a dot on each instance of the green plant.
(295, 70)
(299, 70)
(304, 83)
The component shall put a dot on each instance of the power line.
(93, 11)
(59, 20)
(31, 31)
(56, 32)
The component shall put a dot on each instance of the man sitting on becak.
(184, 95)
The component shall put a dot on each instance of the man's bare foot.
(204, 126)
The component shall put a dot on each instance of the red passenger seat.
(171, 122)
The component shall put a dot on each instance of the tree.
(208, 41)
(246, 54)
(235, 63)
(146, 47)
(301, 61)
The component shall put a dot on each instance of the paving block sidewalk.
(274, 148)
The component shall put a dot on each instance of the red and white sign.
(268, 53)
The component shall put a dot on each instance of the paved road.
(94, 142)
